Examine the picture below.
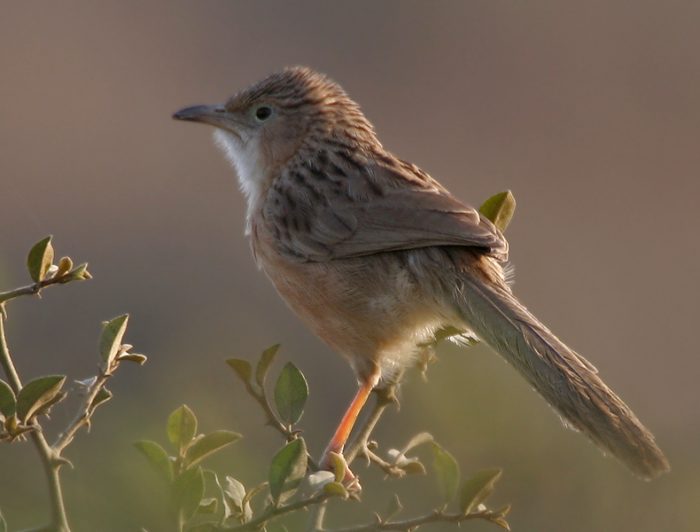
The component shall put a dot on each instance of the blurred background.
(589, 112)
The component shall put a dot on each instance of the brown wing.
(334, 211)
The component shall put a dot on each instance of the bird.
(375, 255)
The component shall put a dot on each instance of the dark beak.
(214, 115)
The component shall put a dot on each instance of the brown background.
(588, 112)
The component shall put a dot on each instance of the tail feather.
(566, 380)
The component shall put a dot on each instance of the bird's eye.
(263, 113)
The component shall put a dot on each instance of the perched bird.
(375, 255)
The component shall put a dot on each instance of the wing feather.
(347, 212)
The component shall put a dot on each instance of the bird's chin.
(243, 156)
(230, 143)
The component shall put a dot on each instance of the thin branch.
(6, 359)
(414, 523)
(31, 289)
(79, 273)
(384, 397)
(388, 468)
(274, 512)
(318, 513)
(49, 458)
(85, 410)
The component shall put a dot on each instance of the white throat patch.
(245, 159)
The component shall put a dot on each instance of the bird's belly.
(373, 309)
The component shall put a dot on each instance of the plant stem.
(84, 412)
(273, 512)
(413, 524)
(22, 291)
(49, 458)
(6, 360)
(318, 512)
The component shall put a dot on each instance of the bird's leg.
(342, 433)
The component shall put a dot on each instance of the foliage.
(204, 500)
(24, 406)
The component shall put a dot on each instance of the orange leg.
(342, 433)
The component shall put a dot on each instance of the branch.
(273, 512)
(49, 458)
(28, 290)
(434, 517)
(385, 397)
(388, 468)
(6, 359)
(79, 273)
(85, 410)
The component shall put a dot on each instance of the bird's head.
(261, 128)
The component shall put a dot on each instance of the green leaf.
(499, 209)
(111, 338)
(182, 427)
(236, 500)
(477, 489)
(102, 396)
(209, 444)
(413, 467)
(291, 392)
(287, 468)
(157, 457)
(234, 491)
(264, 363)
(499, 517)
(447, 471)
(415, 441)
(336, 489)
(8, 403)
(208, 506)
(188, 490)
(37, 393)
(3, 524)
(242, 368)
(65, 264)
(79, 273)
(338, 465)
(40, 258)
(134, 357)
(45, 410)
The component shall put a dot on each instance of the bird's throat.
(245, 159)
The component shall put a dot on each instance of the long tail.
(566, 380)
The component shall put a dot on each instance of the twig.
(85, 411)
(384, 397)
(6, 359)
(414, 523)
(318, 513)
(388, 468)
(35, 288)
(49, 458)
(274, 512)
